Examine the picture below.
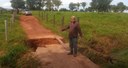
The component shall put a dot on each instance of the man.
(74, 31)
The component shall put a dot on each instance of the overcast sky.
(6, 3)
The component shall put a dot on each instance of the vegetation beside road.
(105, 33)
(14, 53)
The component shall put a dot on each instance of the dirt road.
(53, 55)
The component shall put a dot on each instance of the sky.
(7, 4)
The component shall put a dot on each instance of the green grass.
(14, 49)
(94, 26)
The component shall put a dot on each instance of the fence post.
(39, 13)
(47, 17)
(42, 15)
(78, 19)
(13, 17)
(62, 21)
(6, 30)
(54, 19)
(10, 23)
(1, 11)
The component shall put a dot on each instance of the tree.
(126, 7)
(81, 10)
(89, 9)
(72, 6)
(49, 5)
(78, 5)
(114, 8)
(38, 4)
(35, 4)
(18, 4)
(43, 4)
(83, 4)
(121, 7)
(31, 4)
(57, 4)
(100, 5)
(63, 9)
(93, 5)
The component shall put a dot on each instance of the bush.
(12, 55)
(28, 60)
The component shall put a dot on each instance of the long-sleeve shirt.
(74, 30)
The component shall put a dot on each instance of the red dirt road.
(53, 56)
(33, 29)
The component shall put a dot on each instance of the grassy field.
(13, 51)
(105, 33)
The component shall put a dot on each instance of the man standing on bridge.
(74, 31)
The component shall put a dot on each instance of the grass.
(13, 49)
(106, 31)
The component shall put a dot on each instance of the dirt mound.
(103, 44)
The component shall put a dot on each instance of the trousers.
(73, 45)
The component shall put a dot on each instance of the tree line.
(76, 6)
(36, 4)
(98, 6)
(95, 5)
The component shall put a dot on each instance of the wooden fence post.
(78, 19)
(10, 23)
(39, 13)
(42, 14)
(47, 17)
(54, 19)
(1, 11)
(13, 17)
(62, 20)
(6, 30)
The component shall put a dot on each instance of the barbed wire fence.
(8, 23)
(50, 16)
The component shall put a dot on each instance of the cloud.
(75, 1)
(6, 5)
(117, 1)
(65, 3)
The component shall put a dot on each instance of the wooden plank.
(61, 42)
